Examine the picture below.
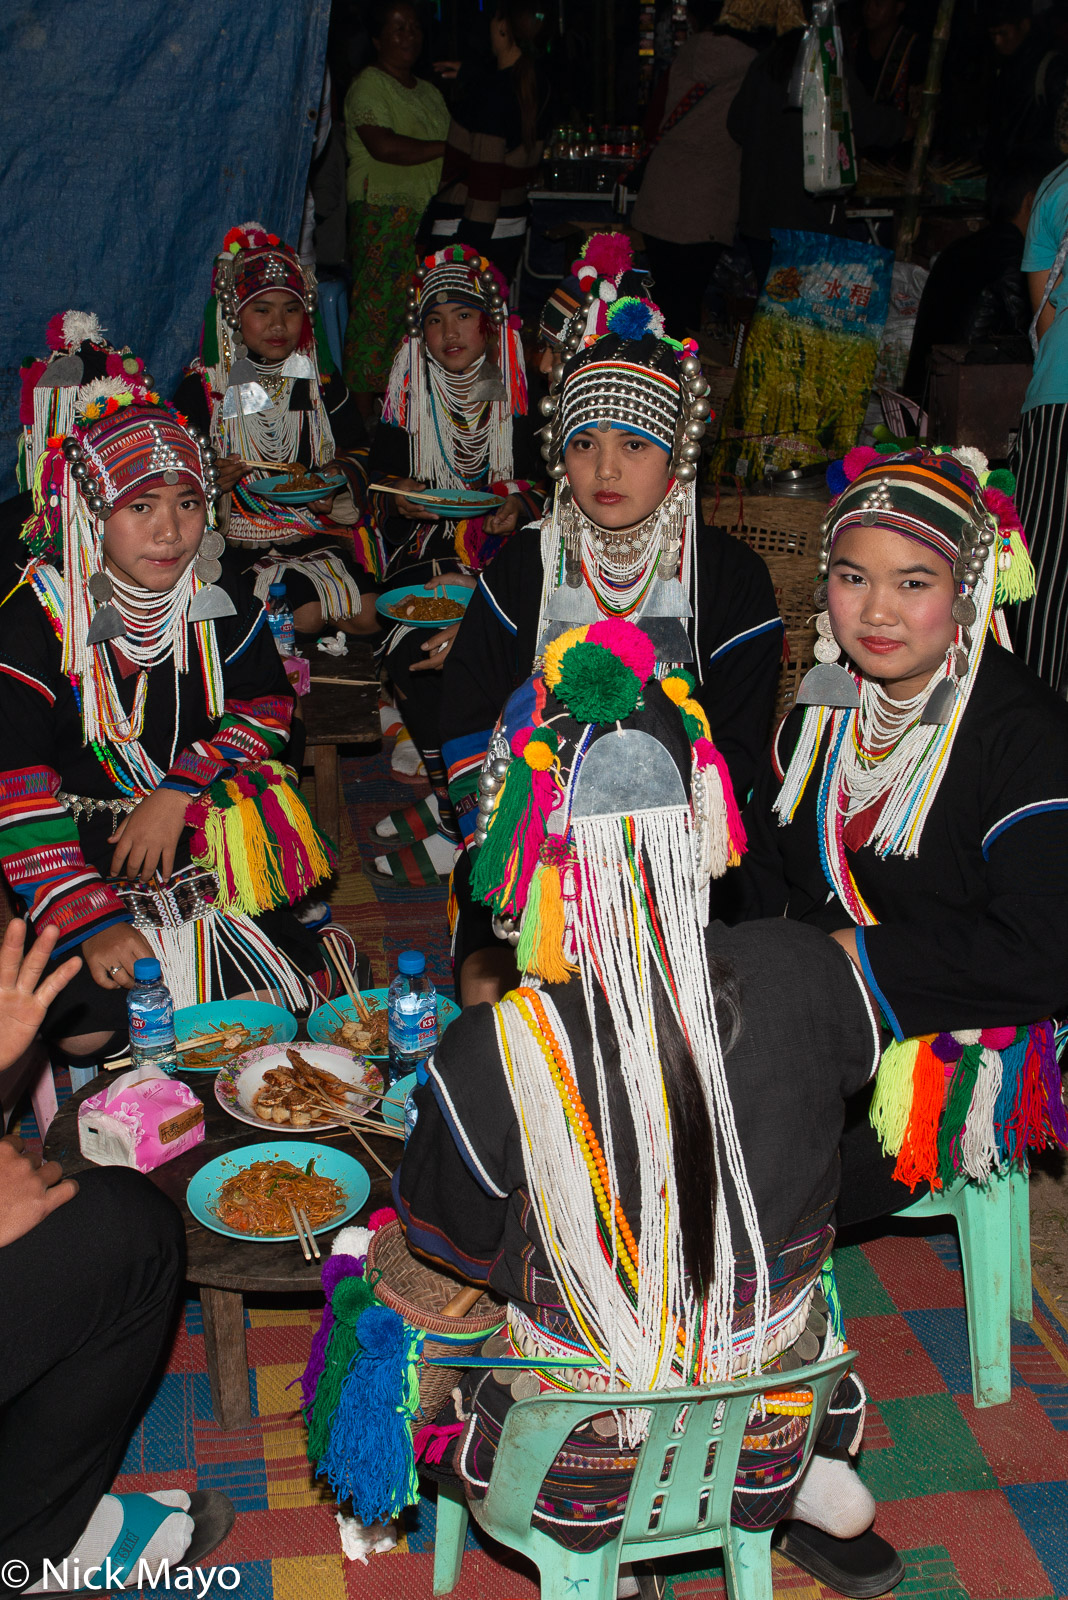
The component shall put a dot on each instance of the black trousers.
(87, 1307)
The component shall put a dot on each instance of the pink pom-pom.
(1004, 509)
(633, 647)
(520, 739)
(997, 1038)
(858, 460)
(54, 332)
(704, 751)
(610, 253)
(381, 1218)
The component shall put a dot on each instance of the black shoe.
(860, 1568)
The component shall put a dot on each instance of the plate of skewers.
(364, 1030)
(317, 1086)
(211, 1035)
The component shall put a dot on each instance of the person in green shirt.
(395, 128)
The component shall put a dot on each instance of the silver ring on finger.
(116, 968)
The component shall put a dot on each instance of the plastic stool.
(334, 310)
(994, 1226)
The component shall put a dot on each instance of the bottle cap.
(411, 963)
(147, 970)
(277, 588)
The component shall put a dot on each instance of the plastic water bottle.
(280, 620)
(151, 1013)
(413, 1016)
(411, 1110)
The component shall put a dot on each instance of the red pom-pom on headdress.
(611, 253)
(1004, 509)
(858, 460)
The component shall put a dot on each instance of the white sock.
(442, 853)
(386, 830)
(169, 1542)
(626, 1583)
(389, 720)
(406, 758)
(832, 1498)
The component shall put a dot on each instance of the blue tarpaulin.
(133, 134)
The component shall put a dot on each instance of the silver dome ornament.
(700, 407)
(690, 366)
(686, 472)
(694, 430)
(72, 449)
(79, 471)
(488, 783)
(547, 405)
(690, 452)
(558, 471)
(499, 766)
(96, 503)
(486, 804)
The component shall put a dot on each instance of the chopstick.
(407, 494)
(186, 1044)
(347, 978)
(298, 1229)
(316, 1252)
(351, 683)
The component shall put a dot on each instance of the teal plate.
(458, 503)
(204, 1186)
(323, 1024)
(255, 1015)
(266, 487)
(448, 591)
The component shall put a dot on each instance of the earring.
(826, 684)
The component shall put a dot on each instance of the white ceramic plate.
(237, 1084)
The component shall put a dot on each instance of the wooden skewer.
(407, 494)
(298, 1230)
(351, 683)
(356, 1134)
(336, 1012)
(347, 978)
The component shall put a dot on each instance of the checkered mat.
(976, 1501)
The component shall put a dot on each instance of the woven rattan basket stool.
(419, 1293)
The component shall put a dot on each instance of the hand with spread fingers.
(25, 993)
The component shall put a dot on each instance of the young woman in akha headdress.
(265, 390)
(637, 1148)
(144, 809)
(454, 419)
(623, 539)
(917, 810)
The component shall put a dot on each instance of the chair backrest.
(687, 1464)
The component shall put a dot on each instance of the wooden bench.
(340, 709)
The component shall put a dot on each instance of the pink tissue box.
(298, 671)
(139, 1121)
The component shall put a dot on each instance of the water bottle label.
(414, 1031)
(152, 1030)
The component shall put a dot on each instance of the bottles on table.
(280, 620)
(151, 1014)
(413, 1016)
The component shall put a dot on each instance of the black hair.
(1015, 177)
(379, 11)
(704, 14)
(692, 1139)
(997, 12)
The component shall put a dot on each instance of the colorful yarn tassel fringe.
(256, 834)
(369, 1457)
(530, 792)
(540, 951)
(965, 1105)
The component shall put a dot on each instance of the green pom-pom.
(1001, 478)
(596, 686)
(545, 736)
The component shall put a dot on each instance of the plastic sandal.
(213, 1516)
(412, 869)
(411, 823)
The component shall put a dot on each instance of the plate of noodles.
(291, 1088)
(251, 1024)
(244, 1194)
(418, 609)
(296, 486)
(457, 502)
(366, 1038)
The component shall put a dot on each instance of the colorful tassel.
(352, 1296)
(917, 1161)
(540, 951)
(957, 1109)
(256, 834)
(335, 1268)
(370, 1458)
(892, 1099)
(431, 1443)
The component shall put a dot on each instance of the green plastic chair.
(994, 1226)
(679, 1500)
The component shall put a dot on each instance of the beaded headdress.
(632, 379)
(951, 503)
(78, 355)
(605, 809)
(122, 439)
(604, 269)
(420, 397)
(253, 262)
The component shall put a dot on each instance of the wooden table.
(342, 712)
(223, 1269)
